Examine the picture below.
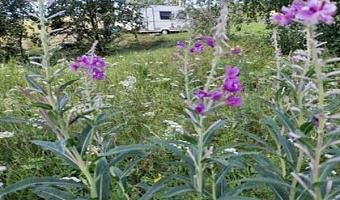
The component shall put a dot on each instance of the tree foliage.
(12, 27)
(84, 22)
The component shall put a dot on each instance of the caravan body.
(163, 19)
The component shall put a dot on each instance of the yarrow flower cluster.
(92, 65)
(309, 12)
(231, 86)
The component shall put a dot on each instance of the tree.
(13, 14)
(87, 21)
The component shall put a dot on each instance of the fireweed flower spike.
(92, 65)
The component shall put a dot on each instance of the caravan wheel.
(165, 32)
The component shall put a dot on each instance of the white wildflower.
(110, 96)
(6, 134)
(329, 156)
(166, 79)
(231, 150)
(71, 178)
(149, 114)
(146, 104)
(129, 82)
(174, 127)
(174, 84)
(3, 168)
(333, 172)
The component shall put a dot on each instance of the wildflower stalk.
(46, 65)
(63, 132)
(219, 37)
(278, 70)
(321, 119)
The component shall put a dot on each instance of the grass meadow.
(143, 84)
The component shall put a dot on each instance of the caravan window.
(165, 15)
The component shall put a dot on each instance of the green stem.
(123, 190)
(321, 119)
(294, 181)
(86, 171)
(46, 55)
(199, 167)
(213, 185)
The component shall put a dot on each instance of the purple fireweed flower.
(232, 85)
(210, 42)
(281, 19)
(231, 72)
(74, 66)
(200, 108)
(201, 94)
(199, 46)
(192, 50)
(235, 51)
(317, 10)
(180, 44)
(234, 101)
(92, 65)
(215, 95)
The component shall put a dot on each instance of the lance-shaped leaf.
(52, 193)
(22, 121)
(155, 188)
(58, 148)
(34, 85)
(172, 192)
(127, 148)
(209, 134)
(84, 140)
(102, 177)
(33, 182)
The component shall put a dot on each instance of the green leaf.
(84, 139)
(58, 148)
(102, 177)
(155, 188)
(52, 193)
(125, 155)
(34, 85)
(22, 121)
(42, 105)
(64, 100)
(38, 181)
(171, 192)
(64, 86)
(208, 135)
(127, 148)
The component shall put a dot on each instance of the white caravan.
(163, 19)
